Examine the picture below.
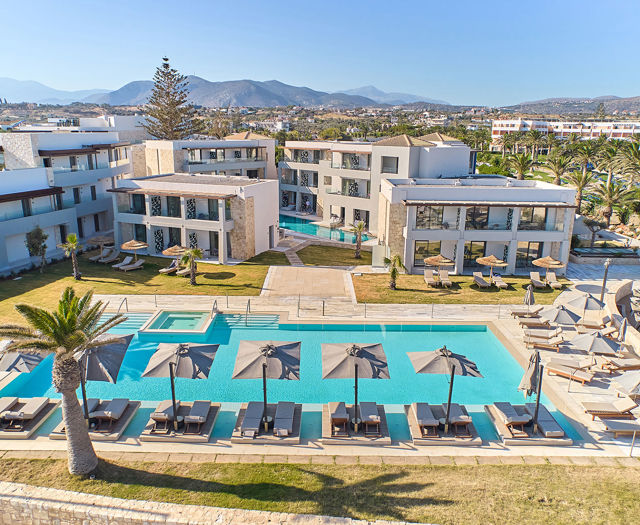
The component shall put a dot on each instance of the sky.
(489, 52)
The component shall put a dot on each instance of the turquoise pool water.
(303, 226)
(179, 321)
(501, 373)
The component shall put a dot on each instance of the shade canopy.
(628, 383)
(491, 260)
(134, 245)
(339, 361)
(529, 298)
(442, 361)
(174, 251)
(547, 262)
(595, 343)
(103, 363)
(19, 361)
(190, 360)
(560, 315)
(100, 240)
(438, 260)
(585, 302)
(282, 359)
(530, 379)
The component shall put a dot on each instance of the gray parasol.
(595, 343)
(529, 299)
(353, 360)
(586, 302)
(560, 315)
(187, 360)
(531, 383)
(267, 360)
(443, 361)
(628, 383)
(19, 362)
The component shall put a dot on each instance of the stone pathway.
(595, 272)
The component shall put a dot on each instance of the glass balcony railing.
(227, 160)
(84, 166)
(350, 166)
(348, 194)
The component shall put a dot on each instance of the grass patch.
(374, 288)
(318, 255)
(45, 289)
(524, 494)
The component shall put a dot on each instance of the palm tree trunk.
(81, 455)
(74, 264)
(578, 201)
(192, 274)
(609, 177)
(358, 245)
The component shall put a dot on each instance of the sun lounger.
(619, 407)
(499, 282)
(106, 252)
(6, 403)
(570, 373)
(339, 419)
(184, 272)
(459, 420)
(594, 321)
(197, 416)
(620, 364)
(162, 417)
(283, 420)
(547, 424)
(134, 266)
(479, 280)
(536, 281)
(542, 333)
(169, 269)
(110, 258)
(370, 417)
(552, 281)
(534, 322)
(515, 422)
(527, 311)
(444, 278)
(252, 419)
(428, 278)
(620, 427)
(16, 419)
(111, 414)
(546, 344)
(124, 262)
(426, 420)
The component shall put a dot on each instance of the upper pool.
(300, 225)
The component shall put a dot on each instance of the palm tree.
(506, 142)
(558, 164)
(71, 247)
(612, 195)
(189, 257)
(574, 139)
(630, 160)
(358, 228)
(550, 142)
(581, 181)
(395, 265)
(520, 163)
(535, 139)
(585, 154)
(72, 328)
(607, 160)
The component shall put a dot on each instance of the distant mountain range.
(394, 99)
(569, 105)
(31, 91)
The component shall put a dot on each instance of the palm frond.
(18, 332)
(38, 318)
(36, 346)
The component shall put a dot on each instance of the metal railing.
(214, 308)
(247, 312)
(124, 301)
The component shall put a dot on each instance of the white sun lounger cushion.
(252, 417)
(198, 413)
(30, 410)
(509, 414)
(6, 403)
(546, 422)
(338, 411)
(164, 411)
(114, 410)
(456, 415)
(369, 412)
(283, 422)
(424, 415)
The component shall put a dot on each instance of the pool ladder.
(247, 312)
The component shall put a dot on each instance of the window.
(389, 164)
(477, 218)
(73, 163)
(424, 249)
(173, 206)
(96, 222)
(137, 204)
(327, 181)
(59, 204)
(227, 209)
(213, 209)
(62, 229)
(429, 218)
(527, 252)
(140, 232)
(26, 207)
(46, 162)
(174, 237)
(237, 154)
(76, 195)
(80, 227)
(532, 218)
(473, 250)
(93, 193)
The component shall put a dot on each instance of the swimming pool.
(501, 373)
(299, 225)
(178, 321)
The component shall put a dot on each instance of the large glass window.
(528, 252)
(477, 218)
(389, 164)
(137, 204)
(140, 232)
(174, 237)
(532, 218)
(473, 250)
(424, 249)
(227, 209)
(429, 217)
(173, 206)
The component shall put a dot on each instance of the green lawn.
(44, 289)
(374, 288)
(317, 255)
(524, 494)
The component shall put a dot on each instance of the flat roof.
(493, 204)
(173, 193)
(32, 194)
(90, 148)
(210, 180)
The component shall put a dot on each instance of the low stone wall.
(23, 504)
(611, 300)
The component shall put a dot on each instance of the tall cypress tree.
(169, 115)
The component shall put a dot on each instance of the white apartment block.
(228, 217)
(245, 154)
(341, 181)
(563, 129)
(466, 218)
(58, 181)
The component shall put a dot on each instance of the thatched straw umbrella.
(134, 246)
(491, 261)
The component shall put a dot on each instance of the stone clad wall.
(397, 222)
(25, 505)
(243, 244)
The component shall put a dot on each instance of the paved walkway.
(595, 272)
(294, 281)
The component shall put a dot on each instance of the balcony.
(293, 181)
(66, 176)
(205, 162)
(350, 166)
(347, 194)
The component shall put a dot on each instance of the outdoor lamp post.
(607, 262)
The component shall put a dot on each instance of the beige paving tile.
(228, 458)
(510, 460)
(346, 460)
(251, 458)
(275, 459)
(582, 460)
(606, 462)
(535, 460)
(322, 460)
(559, 460)
(628, 462)
(132, 456)
(465, 460)
(370, 460)
(110, 456)
(301, 459)
(180, 457)
(160, 457)
(203, 458)
(441, 460)
(488, 460)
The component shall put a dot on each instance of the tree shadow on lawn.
(379, 495)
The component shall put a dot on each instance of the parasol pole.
(173, 395)
(264, 394)
(540, 368)
(83, 379)
(446, 420)
(356, 397)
